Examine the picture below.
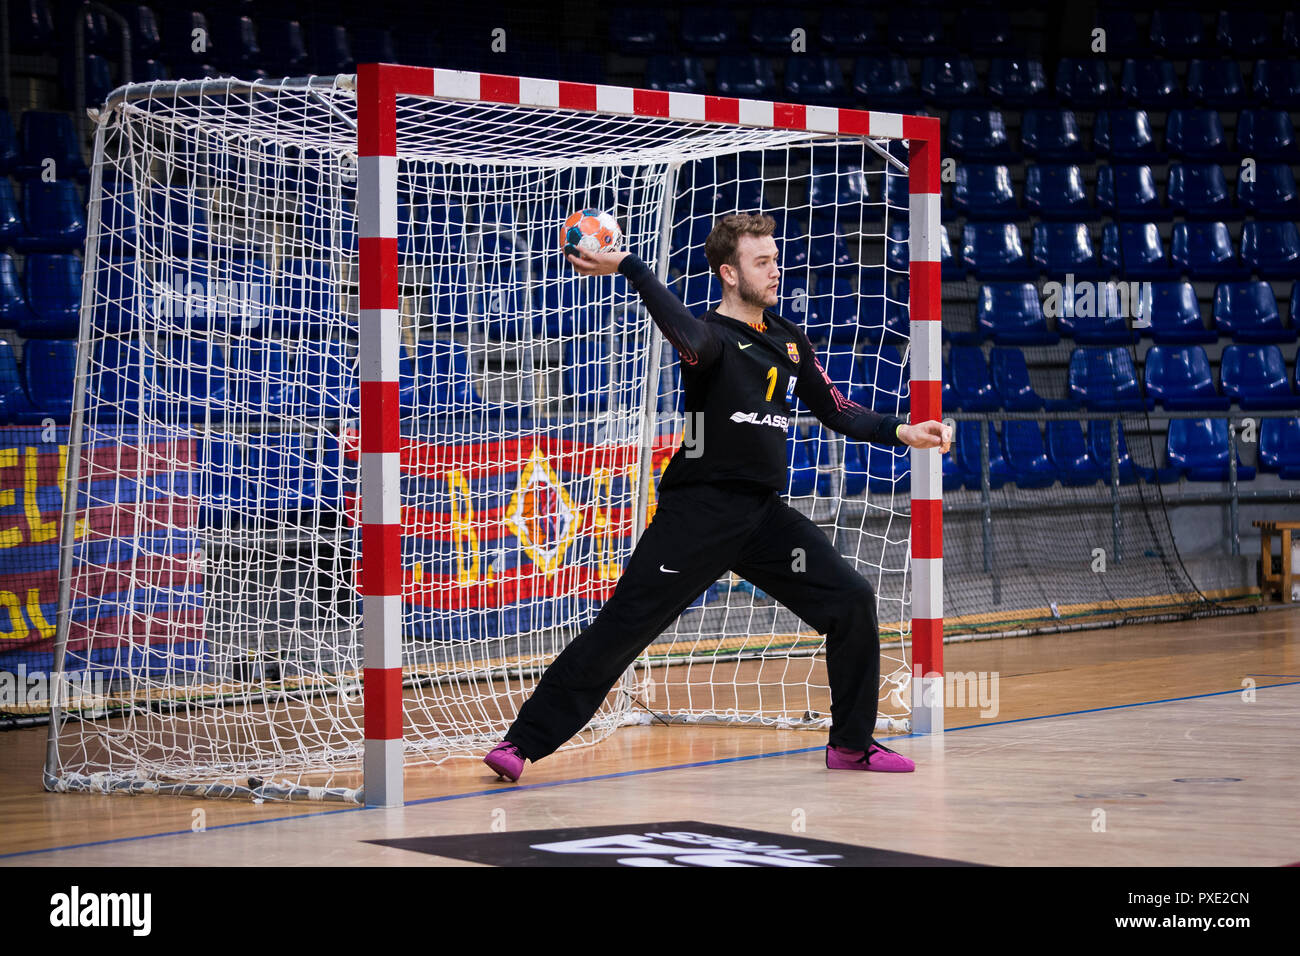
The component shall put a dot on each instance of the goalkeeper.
(720, 506)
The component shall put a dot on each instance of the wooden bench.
(1268, 580)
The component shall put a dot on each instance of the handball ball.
(592, 230)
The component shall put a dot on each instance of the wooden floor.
(1144, 728)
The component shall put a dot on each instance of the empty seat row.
(42, 389)
(1269, 249)
(1014, 313)
(1119, 135)
(1177, 377)
(841, 30)
(50, 218)
(1195, 190)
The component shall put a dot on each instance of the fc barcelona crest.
(794, 352)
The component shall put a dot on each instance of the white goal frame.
(378, 88)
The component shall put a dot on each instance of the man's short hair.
(721, 244)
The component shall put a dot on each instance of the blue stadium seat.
(330, 48)
(1068, 451)
(285, 52)
(586, 374)
(1177, 31)
(14, 311)
(1099, 446)
(1176, 315)
(1142, 254)
(118, 366)
(814, 79)
(1063, 248)
(978, 135)
(291, 472)
(990, 33)
(746, 75)
(54, 293)
(1125, 136)
(1017, 82)
(846, 30)
(1291, 32)
(803, 470)
(1121, 31)
(1027, 455)
(1279, 446)
(1055, 191)
(896, 256)
(887, 468)
(1204, 250)
(1179, 378)
(949, 81)
(1052, 135)
(971, 382)
(31, 25)
(9, 154)
(831, 186)
(771, 29)
(1248, 312)
(53, 216)
(1150, 84)
(44, 136)
(967, 448)
(234, 41)
(119, 305)
(1217, 84)
(637, 30)
(16, 407)
(258, 375)
(1244, 33)
(178, 40)
(1271, 249)
(676, 74)
(829, 251)
(885, 80)
(1255, 376)
(1277, 83)
(982, 191)
(993, 250)
(887, 373)
(1129, 192)
(708, 29)
(1083, 83)
(914, 31)
(11, 220)
(1267, 135)
(1199, 191)
(1097, 315)
(49, 368)
(1011, 380)
(1011, 314)
(1199, 448)
(1197, 134)
(97, 74)
(177, 224)
(1271, 194)
(145, 39)
(326, 385)
(1104, 379)
(192, 370)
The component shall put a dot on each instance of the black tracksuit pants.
(700, 532)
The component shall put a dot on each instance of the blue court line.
(612, 776)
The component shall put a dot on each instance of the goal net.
(282, 451)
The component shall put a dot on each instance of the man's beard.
(752, 294)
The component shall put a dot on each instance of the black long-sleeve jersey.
(740, 384)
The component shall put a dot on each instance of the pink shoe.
(506, 761)
(877, 757)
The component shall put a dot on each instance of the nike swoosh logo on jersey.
(668, 570)
(744, 345)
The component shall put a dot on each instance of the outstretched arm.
(816, 390)
(694, 340)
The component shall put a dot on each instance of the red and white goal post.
(429, 410)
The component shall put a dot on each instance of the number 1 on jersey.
(771, 383)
